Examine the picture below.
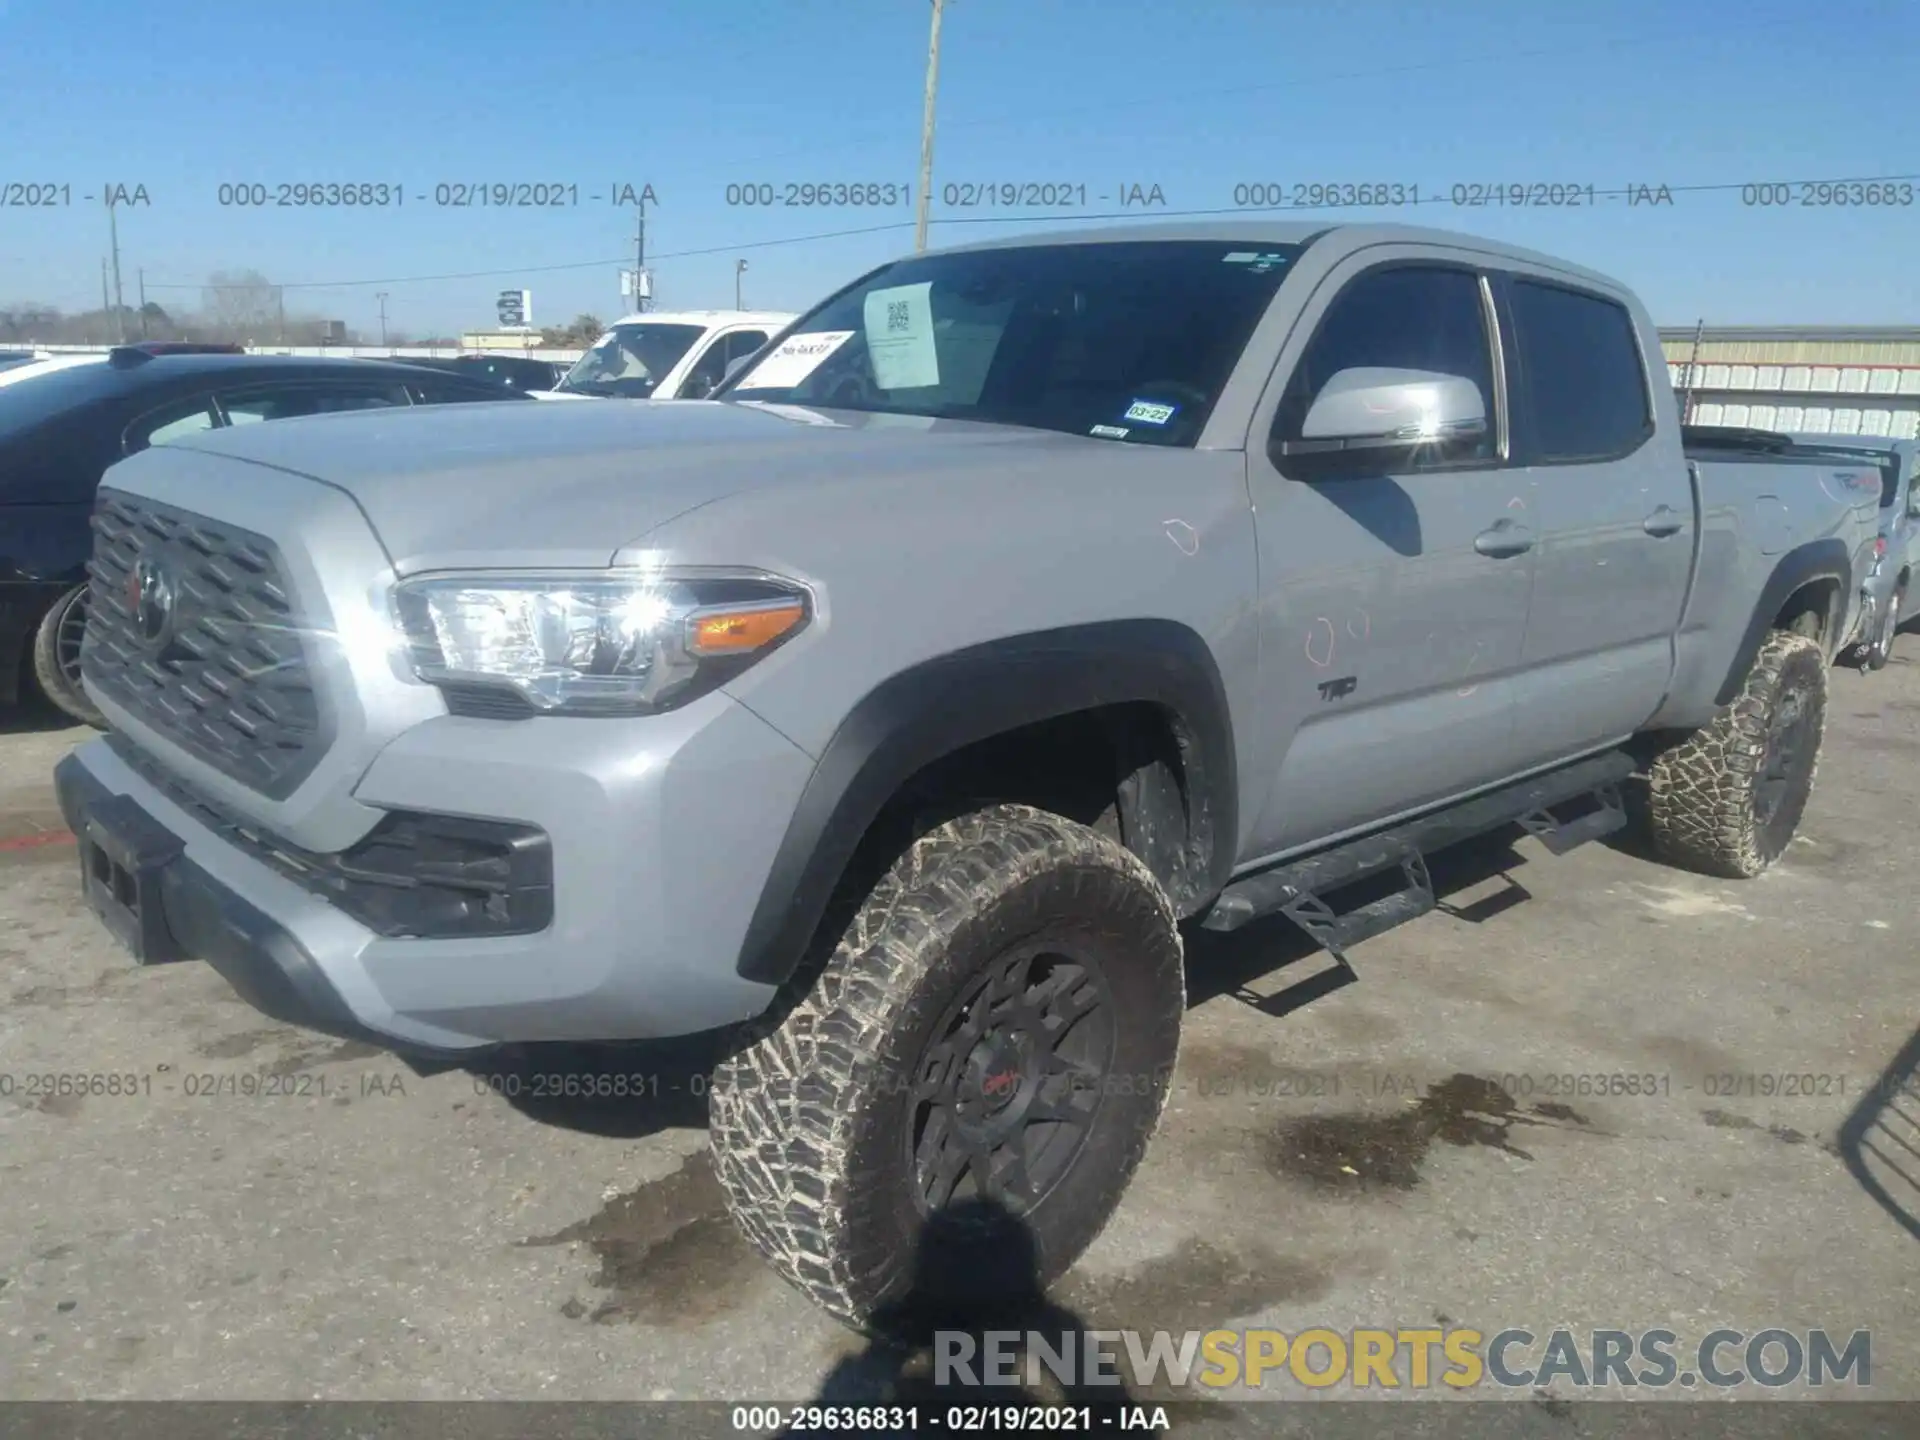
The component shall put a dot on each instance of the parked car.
(1893, 600)
(48, 365)
(63, 421)
(515, 372)
(1020, 602)
(670, 355)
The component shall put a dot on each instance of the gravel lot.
(275, 1215)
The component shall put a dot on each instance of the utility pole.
(106, 299)
(926, 131)
(382, 298)
(119, 298)
(739, 269)
(280, 300)
(1693, 369)
(141, 276)
(640, 254)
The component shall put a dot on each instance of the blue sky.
(690, 97)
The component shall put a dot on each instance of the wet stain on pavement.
(1727, 1120)
(62, 1107)
(1370, 1151)
(1554, 1110)
(305, 1058)
(57, 997)
(1197, 1287)
(1810, 852)
(669, 1253)
(233, 1047)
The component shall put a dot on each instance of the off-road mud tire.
(810, 1115)
(1704, 803)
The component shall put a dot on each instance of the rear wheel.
(1880, 647)
(1728, 799)
(966, 1088)
(56, 657)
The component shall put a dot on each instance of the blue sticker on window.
(1149, 412)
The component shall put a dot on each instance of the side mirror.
(734, 367)
(1381, 411)
(1913, 506)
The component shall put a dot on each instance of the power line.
(1073, 217)
(1137, 101)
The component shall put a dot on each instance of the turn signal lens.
(741, 629)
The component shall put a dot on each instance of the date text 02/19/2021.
(951, 1419)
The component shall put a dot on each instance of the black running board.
(1296, 888)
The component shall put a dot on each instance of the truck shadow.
(629, 1091)
(976, 1277)
(1879, 1141)
(1233, 963)
(620, 1091)
(31, 715)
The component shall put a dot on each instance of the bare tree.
(241, 305)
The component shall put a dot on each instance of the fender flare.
(942, 705)
(1816, 560)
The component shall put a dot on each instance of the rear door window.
(189, 416)
(295, 398)
(1582, 389)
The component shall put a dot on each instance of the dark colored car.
(515, 372)
(510, 372)
(60, 431)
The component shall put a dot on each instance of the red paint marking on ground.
(34, 842)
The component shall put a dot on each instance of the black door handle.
(1504, 538)
(1664, 521)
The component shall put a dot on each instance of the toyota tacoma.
(894, 711)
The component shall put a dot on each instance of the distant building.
(528, 339)
(1839, 380)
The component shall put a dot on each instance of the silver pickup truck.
(1015, 606)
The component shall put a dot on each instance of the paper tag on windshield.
(900, 337)
(794, 359)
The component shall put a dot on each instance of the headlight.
(596, 643)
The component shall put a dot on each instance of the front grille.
(227, 676)
(413, 876)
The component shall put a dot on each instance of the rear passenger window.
(1409, 317)
(1583, 393)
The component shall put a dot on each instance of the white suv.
(668, 355)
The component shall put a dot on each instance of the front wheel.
(952, 1109)
(56, 658)
(1728, 800)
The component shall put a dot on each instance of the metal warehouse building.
(1859, 381)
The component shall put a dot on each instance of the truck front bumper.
(661, 833)
(177, 910)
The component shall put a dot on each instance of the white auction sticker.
(900, 337)
(794, 359)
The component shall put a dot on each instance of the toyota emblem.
(150, 602)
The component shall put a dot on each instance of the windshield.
(1128, 340)
(631, 359)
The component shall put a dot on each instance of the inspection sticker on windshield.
(900, 337)
(794, 359)
(1149, 413)
(1109, 432)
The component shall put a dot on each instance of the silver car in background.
(1891, 596)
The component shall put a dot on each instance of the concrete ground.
(273, 1215)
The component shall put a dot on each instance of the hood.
(487, 483)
